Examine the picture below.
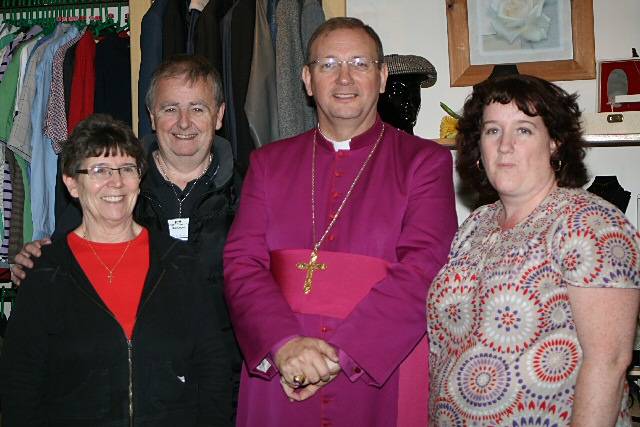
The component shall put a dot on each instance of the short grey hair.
(192, 68)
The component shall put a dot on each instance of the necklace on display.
(313, 265)
(117, 263)
(164, 171)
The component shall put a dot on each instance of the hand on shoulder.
(24, 259)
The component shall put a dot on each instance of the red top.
(122, 295)
(83, 84)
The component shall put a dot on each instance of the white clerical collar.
(338, 145)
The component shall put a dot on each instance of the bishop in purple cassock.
(365, 293)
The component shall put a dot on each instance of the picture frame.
(581, 67)
(619, 85)
(333, 8)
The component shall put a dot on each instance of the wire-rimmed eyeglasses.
(358, 63)
(103, 173)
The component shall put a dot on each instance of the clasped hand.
(310, 358)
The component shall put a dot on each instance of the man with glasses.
(339, 233)
(189, 190)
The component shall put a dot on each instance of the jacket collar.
(365, 139)
(161, 249)
(221, 151)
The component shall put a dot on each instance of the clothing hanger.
(121, 22)
(48, 13)
(106, 22)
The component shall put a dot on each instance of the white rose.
(520, 18)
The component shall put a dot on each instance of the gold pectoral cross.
(311, 267)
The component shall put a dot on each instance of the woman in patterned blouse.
(532, 320)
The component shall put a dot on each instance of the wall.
(419, 27)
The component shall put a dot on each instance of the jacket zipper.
(130, 363)
(130, 343)
(130, 347)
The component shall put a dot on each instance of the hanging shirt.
(20, 139)
(43, 158)
(16, 51)
(295, 113)
(17, 206)
(6, 207)
(6, 37)
(83, 83)
(24, 60)
(27, 224)
(13, 45)
(9, 89)
(55, 125)
(113, 78)
(150, 58)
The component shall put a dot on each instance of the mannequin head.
(400, 103)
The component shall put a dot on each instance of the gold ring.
(298, 380)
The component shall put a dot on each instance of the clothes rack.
(55, 27)
(47, 13)
(24, 5)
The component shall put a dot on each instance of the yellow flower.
(448, 127)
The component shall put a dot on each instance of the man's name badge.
(179, 228)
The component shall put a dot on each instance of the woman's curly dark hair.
(534, 97)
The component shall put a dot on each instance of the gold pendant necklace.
(313, 265)
(117, 263)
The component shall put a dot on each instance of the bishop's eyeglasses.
(358, 63)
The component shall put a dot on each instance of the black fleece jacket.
(67, 362)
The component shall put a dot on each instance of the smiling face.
(185, 117)
(105, 203)
(345, 99)
(516, 152)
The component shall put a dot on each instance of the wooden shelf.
(447, 142)
(628, 139)
(615, 140)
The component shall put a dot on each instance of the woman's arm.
(605, 321)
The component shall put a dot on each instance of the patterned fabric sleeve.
(595, 245)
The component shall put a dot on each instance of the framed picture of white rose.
(508, 31)
(552, 39)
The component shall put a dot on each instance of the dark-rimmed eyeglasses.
(103, 173)
(331, 64)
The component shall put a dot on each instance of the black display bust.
(400, 103)
(610, 189)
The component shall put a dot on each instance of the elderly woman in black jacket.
(115, 325)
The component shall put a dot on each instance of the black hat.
(412, 64)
